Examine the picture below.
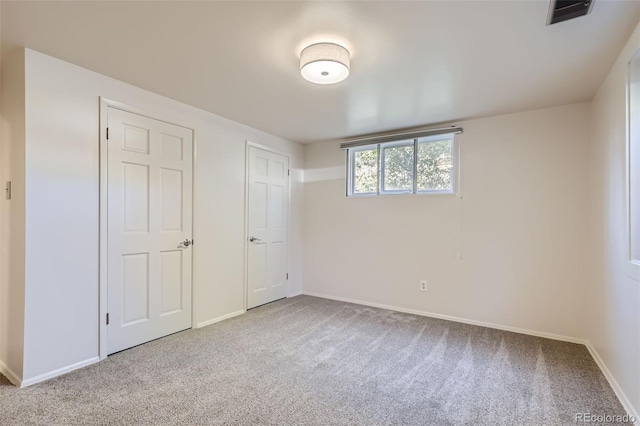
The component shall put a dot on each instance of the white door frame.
(246, 214)
(102, 260)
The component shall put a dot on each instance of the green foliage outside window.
(435, 163)
(398, 168)
(366, 171)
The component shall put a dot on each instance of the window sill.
(632, 269)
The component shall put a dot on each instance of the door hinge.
(288, 172)
(107, 133)
(287, 275)
(107, 319)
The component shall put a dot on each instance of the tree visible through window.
(366, 171)
(397, 168)
(424, 165)
(435, 163)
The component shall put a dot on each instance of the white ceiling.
(413, 63)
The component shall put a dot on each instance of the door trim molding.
(249, 144)
(105, 103)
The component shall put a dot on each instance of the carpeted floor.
(310, 361)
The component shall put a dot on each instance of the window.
(633, 168)
(364, 166)
(404, 166)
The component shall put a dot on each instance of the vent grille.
(563, 10)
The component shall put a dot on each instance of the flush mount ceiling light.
(324, 63)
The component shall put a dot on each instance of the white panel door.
(268, 221)
(149, 215)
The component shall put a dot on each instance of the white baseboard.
(452, 318)
(9, 374)
(58, 372)
(613, 383)
(298, 293)
(218, 319)
(607, 374)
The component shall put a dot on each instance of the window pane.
(398, 168)
(365, 176)
(435, 162)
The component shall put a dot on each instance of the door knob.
(187, 242)
(253, 239)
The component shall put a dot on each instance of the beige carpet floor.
(311, 361)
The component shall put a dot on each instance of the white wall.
(614, 311)
(12, 223)
(61, 318)
(520, 228)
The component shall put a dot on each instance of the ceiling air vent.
(563, 10)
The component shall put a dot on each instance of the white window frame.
(381, 166)
(351, 171)
(452, 172)
(632, 268)
(455, 169)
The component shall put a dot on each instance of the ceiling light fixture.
(324, 63)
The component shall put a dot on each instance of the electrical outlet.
(423, 285)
